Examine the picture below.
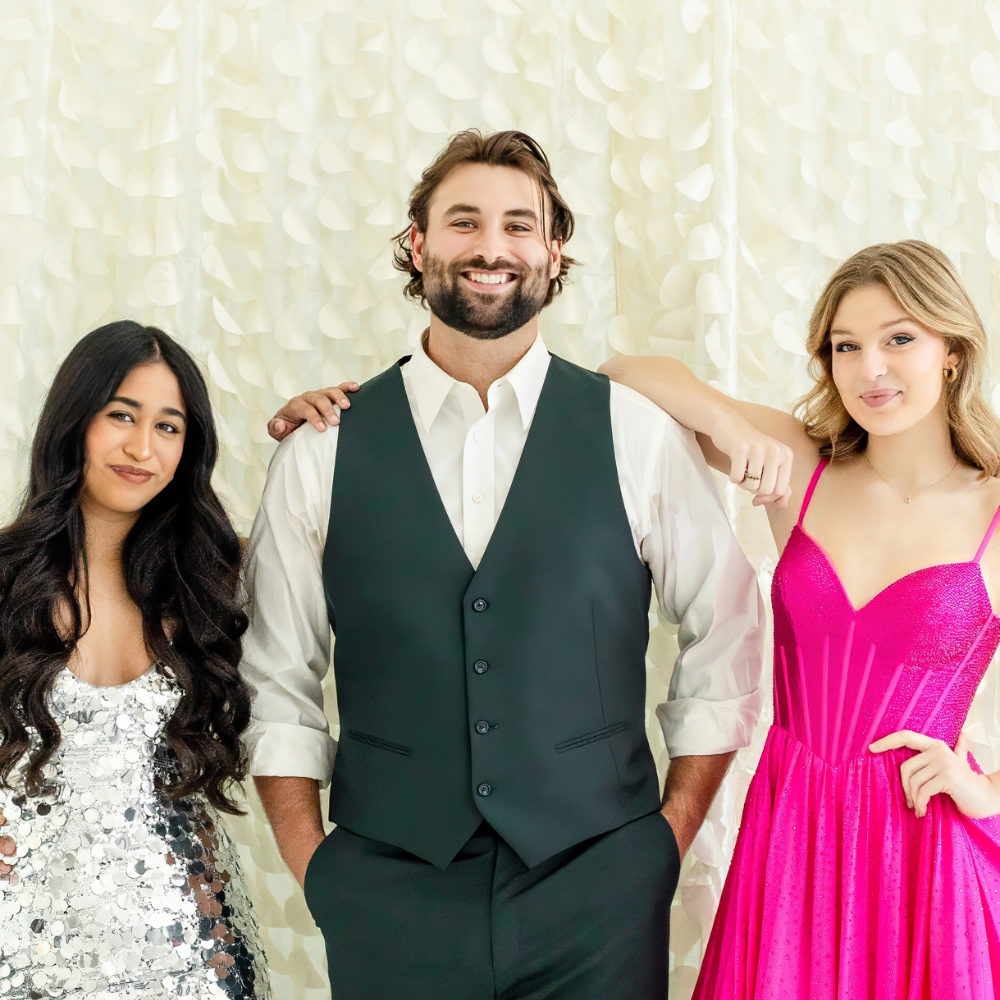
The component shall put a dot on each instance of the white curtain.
(232, 170)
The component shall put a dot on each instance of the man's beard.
(484, 316)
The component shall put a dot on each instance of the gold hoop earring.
(950, 374)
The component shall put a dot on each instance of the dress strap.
(989, 535)
(823, 462)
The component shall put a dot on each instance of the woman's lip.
(879, 397)
(131, 474)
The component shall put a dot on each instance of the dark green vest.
(515, 693)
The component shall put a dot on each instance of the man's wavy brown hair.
(928, 289)
(501, 149)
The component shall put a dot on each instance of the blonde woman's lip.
(879, 397)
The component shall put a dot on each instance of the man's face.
(485, 258)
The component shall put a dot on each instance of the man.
(480, 531)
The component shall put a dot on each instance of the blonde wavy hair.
(924, 283)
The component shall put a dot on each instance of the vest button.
(479, 604)
(480, 666)
(484, 789)
(482, 726)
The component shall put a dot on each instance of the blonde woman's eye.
(900, 339)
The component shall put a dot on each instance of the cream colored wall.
(232, 170)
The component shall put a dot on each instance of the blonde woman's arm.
(755, 446)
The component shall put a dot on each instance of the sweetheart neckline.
(858, 609)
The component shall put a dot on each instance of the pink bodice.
(911, 658)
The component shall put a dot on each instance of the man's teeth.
(489, 279)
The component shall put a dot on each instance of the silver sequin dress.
(119, 892)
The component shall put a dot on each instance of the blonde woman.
(868, 859)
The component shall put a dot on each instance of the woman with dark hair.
(121, 707)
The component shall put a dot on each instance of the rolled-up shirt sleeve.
(704, 584)
(287, 647)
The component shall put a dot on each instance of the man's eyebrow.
(514, 213)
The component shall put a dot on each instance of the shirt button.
(480, 666)
(477, 498)
(479, 604)
(478, 435)
(482, 726)
(484, 789)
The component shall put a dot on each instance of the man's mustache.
(479, 264)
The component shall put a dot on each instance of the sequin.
(119, 892)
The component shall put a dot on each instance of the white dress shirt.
(702, 578)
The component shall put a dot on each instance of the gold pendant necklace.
(864, 455)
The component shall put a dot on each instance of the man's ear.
(555, 250)
(417, 247)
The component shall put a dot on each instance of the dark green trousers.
(590, 923)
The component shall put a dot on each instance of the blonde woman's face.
(888, 368)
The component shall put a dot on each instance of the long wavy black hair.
(181, 563)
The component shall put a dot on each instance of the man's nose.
(491, 243)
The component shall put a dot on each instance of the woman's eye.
(169, 428)
(120, 416)
(900, 339)
(845, 348)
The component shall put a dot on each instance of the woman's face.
(888, 368)
(134, 444)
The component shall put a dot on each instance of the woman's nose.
(873, 365)
(139, 443)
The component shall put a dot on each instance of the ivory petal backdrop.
(232, 170)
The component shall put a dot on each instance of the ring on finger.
(752, 478)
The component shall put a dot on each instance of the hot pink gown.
(837, 891)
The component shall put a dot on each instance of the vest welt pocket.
(597, 734)
(379, 743)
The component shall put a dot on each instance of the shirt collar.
(431, 385)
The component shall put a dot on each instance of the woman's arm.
(753, 445)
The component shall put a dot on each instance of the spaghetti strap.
(823, 462)
(989, 535)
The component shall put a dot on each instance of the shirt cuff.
(694, 727)
(289, 751)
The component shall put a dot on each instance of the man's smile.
(488, 281)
